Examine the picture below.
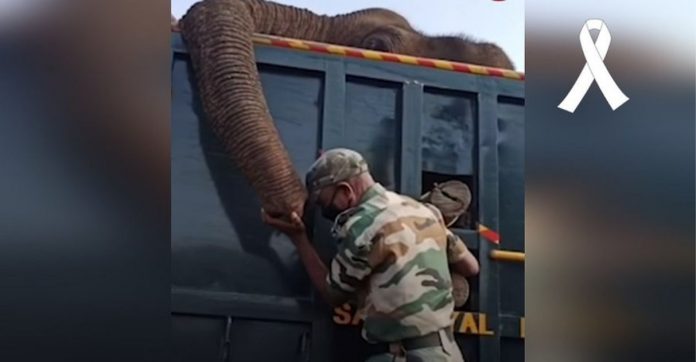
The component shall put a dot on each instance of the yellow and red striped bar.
(385, 57)
(305, 45)
(489, 234)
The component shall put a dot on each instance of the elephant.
(218, 35)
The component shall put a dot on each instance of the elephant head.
(218, 35)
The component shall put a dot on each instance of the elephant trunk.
(218, 36)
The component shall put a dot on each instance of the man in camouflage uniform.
(394, 257)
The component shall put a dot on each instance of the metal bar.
(489, 294)
(292, 60)
(410, 162)
(332, 135)
(504, 255)
(392, 72)
(333, 110)
(226, 342)
(344, 51)
(312, 46)
(402, 73)
(252, 306)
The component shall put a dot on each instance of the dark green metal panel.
(448, 133)
(410, 140)
(510, 115)
(414, 125)
(333, 124)
(373, 118)
(218, 241)
(198, 338)
(488, 215)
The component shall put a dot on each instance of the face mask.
(330, 212)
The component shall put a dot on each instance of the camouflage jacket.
(394, 253)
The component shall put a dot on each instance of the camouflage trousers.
(448, 352)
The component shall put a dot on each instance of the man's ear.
(347, 188)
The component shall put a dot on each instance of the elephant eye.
(384, 40)
(377, 43)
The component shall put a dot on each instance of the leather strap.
(429, 340)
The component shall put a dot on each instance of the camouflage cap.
(332, 167)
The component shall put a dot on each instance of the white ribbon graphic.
(594, 69)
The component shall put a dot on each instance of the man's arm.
(315, 267)
(459, 256)
(335, 288)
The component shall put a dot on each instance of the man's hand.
(294, 228)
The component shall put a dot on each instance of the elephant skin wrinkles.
(218, 36)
